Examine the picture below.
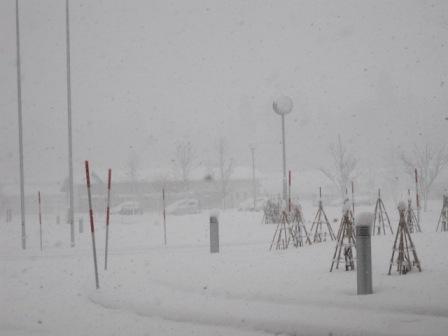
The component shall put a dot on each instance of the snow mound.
(346, 207)
(214, 213)
(401, 206)
(364, 219)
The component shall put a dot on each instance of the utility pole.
(69, 118)
(254, 186)
(19, 106)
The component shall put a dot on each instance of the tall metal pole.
(19, 106)
(254, 186)
(284, 159)
(164, 217)
(40, 220)
(69, 118)
(282, 106)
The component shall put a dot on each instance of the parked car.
(364, 200)
(127, 208)
(248, 204)
(184, 207)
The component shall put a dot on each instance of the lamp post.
(71, 216)
(19, 107)
(282, 106)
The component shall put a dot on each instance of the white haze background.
(146, 74)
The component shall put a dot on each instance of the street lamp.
(282, 106)
(19, 107)
(69, 124)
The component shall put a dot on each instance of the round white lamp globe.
(283, 105)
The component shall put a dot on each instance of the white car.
(127, 208)
(248, 204)
(184, 207)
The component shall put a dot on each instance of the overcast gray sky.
(146, 74)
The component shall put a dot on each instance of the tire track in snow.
(264, 317)
(441, 312)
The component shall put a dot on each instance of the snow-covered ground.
(184, 290)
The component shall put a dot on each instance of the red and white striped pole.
(92, 227)
(289, 191)
(417, 200)
(164, 216)
(109, 179)
(40, 220)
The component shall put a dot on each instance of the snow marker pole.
(417, 200)
(164, 216)
(40, 220)
(92, 228)
(109, 178)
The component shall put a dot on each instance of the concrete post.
(364, 253)
(214, 234)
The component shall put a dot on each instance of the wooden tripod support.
(321, 218)
(380, 215)
(281, 234)
(443, 218)
(411, 218)
(345, 242)
(291, 228)
(405, 246)
(271, 212)
(298, 232)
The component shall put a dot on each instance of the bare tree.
(344, 165)
(225, 169)
(133, 172)
(429, 162)
(184, 161)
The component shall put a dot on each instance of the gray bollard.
(364, 253)
(81, 225)
(214, 234)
